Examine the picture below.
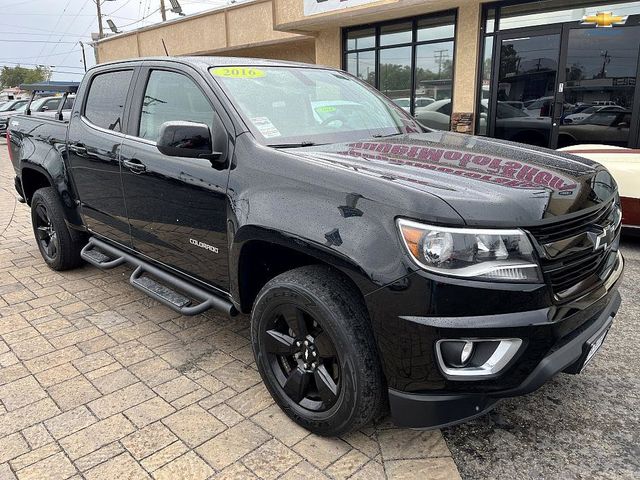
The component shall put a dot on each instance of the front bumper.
(440, 410)
(555, 338)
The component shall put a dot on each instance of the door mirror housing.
(186, 139)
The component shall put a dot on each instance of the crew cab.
(382, 264)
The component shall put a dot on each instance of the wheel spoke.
(53, 243)
(295, 319)
(325, 346)
(42, 214)
(279, 343)
(327, 388)
(296, 384)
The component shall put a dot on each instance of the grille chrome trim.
(578, 254)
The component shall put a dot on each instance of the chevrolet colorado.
(383, 265)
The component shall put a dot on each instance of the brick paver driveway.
(98, 381)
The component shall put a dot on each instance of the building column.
(466, 64)
(329, 48)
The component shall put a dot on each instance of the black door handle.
(78, 149)
(135, 165)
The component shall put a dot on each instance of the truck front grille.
(574, 269)
(567, 228)
(582, 264)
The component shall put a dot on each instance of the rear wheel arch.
(32, 180)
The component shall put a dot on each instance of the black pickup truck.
(383, 264)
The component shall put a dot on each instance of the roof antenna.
(165, 47)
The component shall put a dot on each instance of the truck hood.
(488, 182)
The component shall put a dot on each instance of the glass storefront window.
(395, 34)
(560, 80)
(361, 39)
(395, 75)
(363, 66)
(430, 29)
(434, 73)
(415, 64)
(549, 12)
(485, 87)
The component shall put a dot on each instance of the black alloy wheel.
(58, 244)
(315, 350)
(45, 233)
(303, 358)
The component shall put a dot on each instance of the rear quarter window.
(104, 106)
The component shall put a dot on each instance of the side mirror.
(45, 108)
(186, 139)
(623, 125)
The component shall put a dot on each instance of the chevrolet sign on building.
(550, 73)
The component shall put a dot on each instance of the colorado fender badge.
(206, 246)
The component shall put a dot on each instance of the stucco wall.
(278, 29)
(466, 57)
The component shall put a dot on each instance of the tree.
(14, 76)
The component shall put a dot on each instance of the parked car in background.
(512, 123)
(624, 165)
(611, 127)
(45, 106)
(5, 112)
(587, 112)
(419, 102)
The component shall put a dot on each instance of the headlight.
(481, 254)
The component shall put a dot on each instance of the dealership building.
(547, 73)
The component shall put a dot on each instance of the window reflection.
(415, 66)
(363, 66)
(395, 75)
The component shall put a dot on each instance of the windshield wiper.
(304, 143)
(387, 136)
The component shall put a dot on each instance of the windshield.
(291, 105)
(12, 104)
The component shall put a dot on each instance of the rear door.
(177, 206)
(96, 133)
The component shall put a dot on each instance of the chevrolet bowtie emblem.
(604, 19)
(602, 239)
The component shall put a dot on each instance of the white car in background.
(420, 102)
(624, 164)
(586, 113)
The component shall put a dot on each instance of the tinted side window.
(105, 102)
(52, 105)
(171, 96)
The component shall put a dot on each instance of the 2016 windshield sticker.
(237, 72)
(326, 109)
(265, 127)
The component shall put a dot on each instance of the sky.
(48, 32)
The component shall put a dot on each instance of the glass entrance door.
(600, 75)
(523, 97)
(566, 85)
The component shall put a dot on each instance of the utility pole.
(100, 32)
(84, 58)
(163, 11)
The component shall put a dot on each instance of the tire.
(339, 369)
(62, 249)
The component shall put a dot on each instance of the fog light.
(456, 353)
(475, 359)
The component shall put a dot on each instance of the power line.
(14, 40)
(4, 62)
(38, 56)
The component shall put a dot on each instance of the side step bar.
(105, 256)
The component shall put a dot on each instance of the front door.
(598, 88)
(176, 206)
